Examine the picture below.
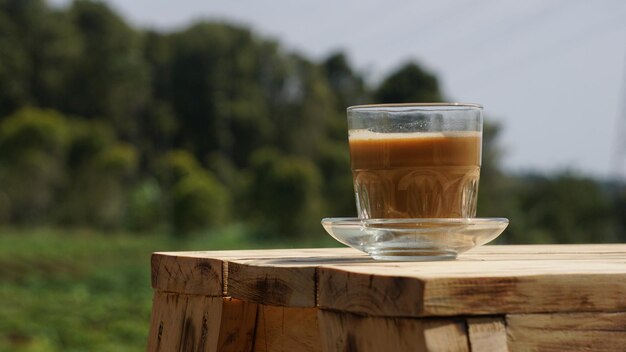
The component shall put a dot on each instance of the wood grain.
(555, 297)
(446, 335)
(237, 326)
(475, 287)
(567, 332)
(187, 274)
(280, 286)
(184, 323)
(281, 277)
(487, 334)
(349, 332)
(281, 329)
(255, 273)
(490, 280)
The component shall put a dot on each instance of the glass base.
(412, 255)
(414, 239)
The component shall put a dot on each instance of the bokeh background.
(131, 127)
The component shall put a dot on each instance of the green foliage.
(560, 208)
(619, 209)
(199, 201)
(494, 191)
(30, 130)
(38, 49)
(284, 193)
(334, 165)
(111, 80)
(348, 86)
(567, 209)
(68, 290)
(410, 83)
(211, 73)
(176, 165)
(32, 146)
(88, 139)
(194, 198)
(145, 208)
(119, 159)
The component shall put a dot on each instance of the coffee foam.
(363, 134)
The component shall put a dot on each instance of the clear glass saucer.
(414, 239)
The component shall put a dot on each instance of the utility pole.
(619, 157)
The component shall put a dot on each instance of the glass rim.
(395, 107)
(416, 221)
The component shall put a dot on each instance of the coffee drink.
(415, 174)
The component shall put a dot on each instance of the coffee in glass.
(415, 160)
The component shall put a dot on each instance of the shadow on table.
(318, 260)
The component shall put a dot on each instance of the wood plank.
(567, 332)
(551, 248)
(201, 327)
(492, 280)
(446, 335)
(280, 286)
(281, 329)
(184, 323)
(545, 252)
(349, 332)
(237, 326)
(271, 271)
(167, 317)
(282, 277)
(474, 288)
(487, 334)
(374, 295)
(261, 254)
(526, 294)
(187, 274)
(307, 254)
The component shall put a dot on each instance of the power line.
(560, 47)
(517, 25)
(423, 21)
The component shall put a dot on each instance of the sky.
(551, 73)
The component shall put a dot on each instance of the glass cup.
(415, 160)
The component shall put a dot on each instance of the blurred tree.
(13, 63)
(38, 49)
(111, 80)
(619, 210)
(493, 194)
(337, 188)
(199, 202)
(160, 123)
(564, 209)
(348, 88)
(307, 113)
(100, 173)
(212, 81)
(347, 85)
(145, 207)
(228, 174)
(176, 165)
(409, 84)
(194, 199)
(32, 148)
(284, 194)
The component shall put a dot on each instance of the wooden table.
(493, 298)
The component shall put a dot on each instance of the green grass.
(86, 291)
